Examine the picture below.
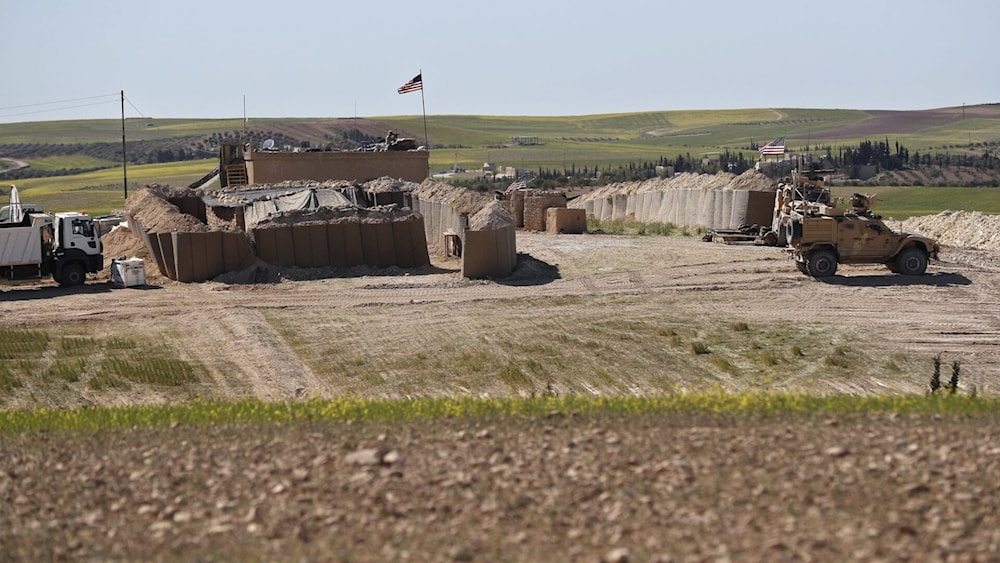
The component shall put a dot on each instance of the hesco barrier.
(489, 254)
(529, 207)
(563, 220)
(344, 243)
(721, 201)
(195, 256)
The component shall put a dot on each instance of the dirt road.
(250, 336)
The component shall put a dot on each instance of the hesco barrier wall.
(186, 249)
(490, 249)
(721, 201)
(489, 254)
(446, 209)
(529, 207)
(344, 242)
(564, 220)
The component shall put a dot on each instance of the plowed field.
(585, 314)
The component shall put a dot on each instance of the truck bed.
(20, 245)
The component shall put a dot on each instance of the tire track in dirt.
(242, 337)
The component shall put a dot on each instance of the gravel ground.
(663, 487)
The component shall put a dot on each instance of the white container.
(128, 273)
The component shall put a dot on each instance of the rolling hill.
(86, 155)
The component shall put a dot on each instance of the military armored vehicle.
(821, 236)
(795, 195)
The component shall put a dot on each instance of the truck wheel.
(793, 231)
(72, 274)
(821, 263)
(782, 238)
(911, 262)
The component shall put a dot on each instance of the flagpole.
(423, 106)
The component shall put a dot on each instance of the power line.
(135, 108)
(55, 109)
(114, 98)
(5, 108)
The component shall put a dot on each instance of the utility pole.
(124, 163)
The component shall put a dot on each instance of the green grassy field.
(101, 192)
(354, 409)
(565, 142)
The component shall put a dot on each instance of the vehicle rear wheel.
(821, 263)
(911, 262)
(72, 274)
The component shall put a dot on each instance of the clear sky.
(69, 59)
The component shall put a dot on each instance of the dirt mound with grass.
(963, 229)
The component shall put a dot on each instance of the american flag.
(774, 148)
(518, 185)
(415, 83)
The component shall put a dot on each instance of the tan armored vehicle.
(821, 236)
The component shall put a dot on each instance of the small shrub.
(935, 383)
(795, 352)
(740, 327)
(834, 360)
(725, 365)
(953, 382)
(66, 372)
(104, 381)
(699, 348)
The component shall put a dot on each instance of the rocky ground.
(663, 487)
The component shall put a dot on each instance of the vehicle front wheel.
(72, 274)
(911, 262)
(821, 263)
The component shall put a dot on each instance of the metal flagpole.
(423, 106)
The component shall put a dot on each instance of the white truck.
(65, 246)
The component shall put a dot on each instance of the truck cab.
(76, 248)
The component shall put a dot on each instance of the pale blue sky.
(69, 59)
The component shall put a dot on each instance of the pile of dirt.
(380, 214)
(151, 208)
(491, 217)
(121, 242)
(459, 199)
(386, 184)
(961, 229)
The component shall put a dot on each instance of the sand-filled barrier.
(379, 237)
(490, 249)
(719, 201)
(303, 226)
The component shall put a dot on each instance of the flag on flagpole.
(416, 83)
(518, 185)
(774, 148)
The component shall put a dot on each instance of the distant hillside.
(564, 144)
